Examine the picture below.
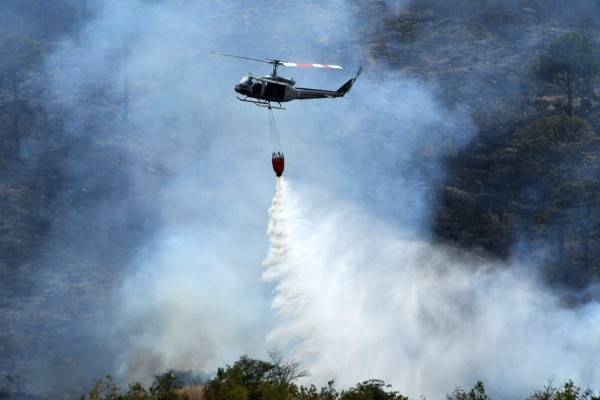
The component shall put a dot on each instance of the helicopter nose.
(242, 89)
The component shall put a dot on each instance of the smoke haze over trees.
(442, 223)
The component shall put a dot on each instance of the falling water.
(358, 299)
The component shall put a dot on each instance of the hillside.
(75, 217)
(482, 61)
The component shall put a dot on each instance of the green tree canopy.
(165, 387)
(373, 389)
(246, 379)
(476, 393)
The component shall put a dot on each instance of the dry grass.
(194, 392)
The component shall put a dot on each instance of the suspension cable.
(277, 159)
(275, 143)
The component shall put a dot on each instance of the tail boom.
(304, 93)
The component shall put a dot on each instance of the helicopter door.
(275, 91)
(256, 88)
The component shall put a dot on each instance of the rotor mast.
(276, 63)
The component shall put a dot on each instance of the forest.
(252, 379)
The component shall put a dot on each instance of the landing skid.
(266, 104)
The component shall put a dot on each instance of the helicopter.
(263, 90)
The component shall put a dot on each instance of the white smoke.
(358, 299)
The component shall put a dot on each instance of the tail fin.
(345, 88)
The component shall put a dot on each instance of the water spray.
(276, 229)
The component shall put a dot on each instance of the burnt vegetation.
(48, 288)
(526, 186)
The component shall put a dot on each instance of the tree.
(556, 149)
(136, 392)
(311, 392)
(575, 209)
(372, 389)
(557, 157)
(569, 63)
(105, 389)
(244, 380)
(476, 393)
(250, 379)
(286, 370)
(569, 391)
(164, 387)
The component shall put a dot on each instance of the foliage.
(164, 387)
(559, 158)
(248, 380)
(105, 389)
(373, 389)
(136, 391)
(577, 202)
(312, 393)
(254, 379)
(569, 391)
(191, 392)
(251, 379)
(535, 182)
(476, 393)
(557, 148)
(568, 62)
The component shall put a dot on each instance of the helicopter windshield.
(247, 80)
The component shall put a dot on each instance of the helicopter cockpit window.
(246, 80)
(256, 86)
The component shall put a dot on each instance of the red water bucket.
(278, 163)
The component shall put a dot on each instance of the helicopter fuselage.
(279, 89)
(276, 89)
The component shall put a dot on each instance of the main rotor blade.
(245, 58)
(284, 63)
(291, 64)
